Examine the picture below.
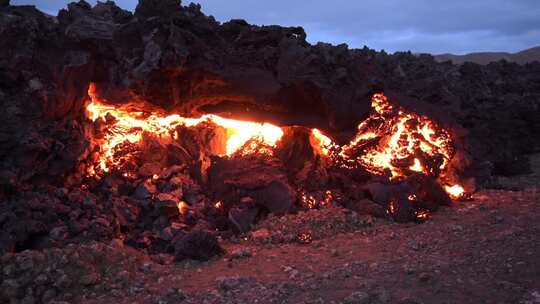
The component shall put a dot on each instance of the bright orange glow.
(324, 142)
(392, 208)
(308, 200)
(391, 142)
(240, 132)
(455, 191)
(218, 205)
(182, 207)
(417, 166)
(422, 214)
(401, 136)
(129, 126)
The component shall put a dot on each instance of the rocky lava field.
(159, 156)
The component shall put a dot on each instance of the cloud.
(457, 26)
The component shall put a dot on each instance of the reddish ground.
(486, 250)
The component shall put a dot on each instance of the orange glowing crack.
(400, 137)
(403, 135)
(129, 126)
(325, 143)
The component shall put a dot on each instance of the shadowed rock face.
(180, 59)
(183, 61)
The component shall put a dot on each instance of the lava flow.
(396, 143)
(128, 126)
(392, 142)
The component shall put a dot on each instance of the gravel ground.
(481, 251)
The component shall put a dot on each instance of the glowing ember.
(128, 127)
(455, 191)
(324, 142)
(328, 197)
(304, 238)
(422, 215)
(308, 200)
(182, 207)
(392, 208)
(218, 205)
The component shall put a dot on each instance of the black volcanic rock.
(197, 245)
(183, 61)
(157, 8)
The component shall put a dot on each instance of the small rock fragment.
(358, 297)
(240, 254)
(197, 245)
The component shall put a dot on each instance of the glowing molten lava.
(455, 192)
(324, 142)
(391, 142)
(128, 127)
(395, 141)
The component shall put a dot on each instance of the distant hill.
(526, 56)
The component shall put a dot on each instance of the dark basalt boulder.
(197, 245)
(261, 178)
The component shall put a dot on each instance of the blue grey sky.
(430, 26)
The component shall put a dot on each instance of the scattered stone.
(197, 245)
(150, 169)
(174, 295)
(59, 233)
(409, 301)
(424, 277)
(9, 288)
(232, 283)
(260, 234)
(144, 191)
(414, 245)
(165, 197)
(358, 297)
(89, 279)
(168, 208)
(48, 295)
(457, 228)
(243, 218)
(166, 234)
(240, 254)
(293, 274)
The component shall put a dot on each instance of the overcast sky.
(432, 26)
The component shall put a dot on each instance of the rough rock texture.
(482, 251)
(256, 178)
(177, 58)
(197, 245)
